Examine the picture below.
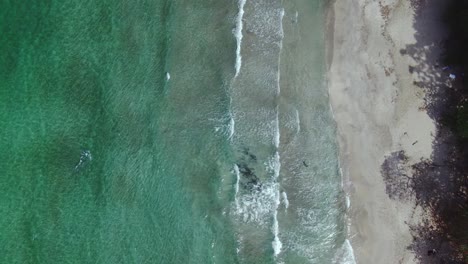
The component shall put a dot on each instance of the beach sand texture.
(379, 110)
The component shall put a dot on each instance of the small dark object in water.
(246, 171)
(251, 156)
(84, 156)
(414, 143)
(305, 164)
(431, 252)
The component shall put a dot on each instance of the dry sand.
(378, 110)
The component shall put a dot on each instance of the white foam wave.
(331, 111)
(276, 165)
(277, 132)
(258, 205)
(261, 202)
(281, 48)
(276, 244)
(232, 124)
(225, 126)
(285, 200)
(342, 177)
(281, 21)
(236, 187)
(298, 122)
(345, 255)
(238, 35)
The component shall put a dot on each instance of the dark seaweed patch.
(249, 181)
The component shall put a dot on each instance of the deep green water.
(104, 159)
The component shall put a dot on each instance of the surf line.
(237, 32)
(236, 187)
(276, 243)
(238, 35)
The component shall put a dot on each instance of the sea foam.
(238, 35)
(276, 166)
(285, 200)
(236, 187)
(345, 254)
(232, 125)
(276, 244)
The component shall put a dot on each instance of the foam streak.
(238, 35)
(276, 244)
(236, 188)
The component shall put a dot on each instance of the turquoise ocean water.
(156, 131)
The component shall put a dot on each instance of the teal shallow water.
(107, 160)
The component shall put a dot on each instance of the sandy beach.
(379, 110)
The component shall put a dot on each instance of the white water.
(232, 124)
(236, 187)
(256, 207)
(285, 200)
(277, 245)
(238, 35)
(276, 165)
(298, 122)
(347, 247)
(345, 255)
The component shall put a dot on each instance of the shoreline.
(379, 111)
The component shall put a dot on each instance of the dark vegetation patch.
(398, 184)
(439, 184)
